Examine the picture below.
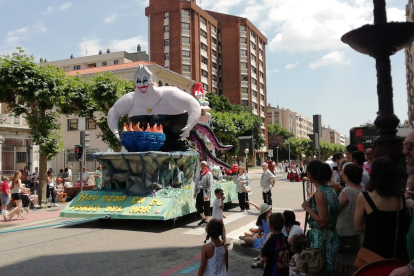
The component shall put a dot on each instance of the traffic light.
(78, 152)
(84, 139)
(314, 143)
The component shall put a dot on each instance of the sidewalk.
(38, 215)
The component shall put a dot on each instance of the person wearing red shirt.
(270, 165)
(5, 195)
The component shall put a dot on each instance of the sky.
(309, 69)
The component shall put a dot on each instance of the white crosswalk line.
(201, 230)
(25, 225)
(235, 234)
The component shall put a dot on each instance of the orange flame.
(156, 128)
(125, 128)
(137, 128)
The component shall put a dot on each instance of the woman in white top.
(16, 189)
(214, 255)
(292, 227)
(242, 179)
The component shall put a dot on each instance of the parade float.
(166, 138)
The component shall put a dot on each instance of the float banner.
(164, 205)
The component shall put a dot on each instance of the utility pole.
(83, 141)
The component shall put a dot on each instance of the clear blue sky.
(310, 70)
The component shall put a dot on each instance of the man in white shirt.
(85, 177)
(266, 182)
(335, 182)
(70, 171)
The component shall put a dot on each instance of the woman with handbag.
(380, 214)
(242, 181)
(350, 240)
(323, 213)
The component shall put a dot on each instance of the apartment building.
(100, 59)
(333, 136)
(225, 53)
(294, 122)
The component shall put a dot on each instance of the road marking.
(190, 269)
(179, 266)
(235, 234)
(24, 225)
(201, 230)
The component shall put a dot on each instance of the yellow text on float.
(114, 198)
(138, 200)
(114, 209)
(86, 197)
(155, 201)
(140, 209)
(84, 208)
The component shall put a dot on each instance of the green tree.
(36, 91)
(93, 98)
(234, 116)
(276, 129)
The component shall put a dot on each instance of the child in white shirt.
(218, 206)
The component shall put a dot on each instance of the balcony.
(186, 60)
(219, 60)
(244, 84)
(204, 80)
(261, 80)
(253, 62)
(254, 99)
(252, 50)
(253, 75)
(203, 27)
(263, 126)
(243, 59)
(166, 63)
(214, 71)
(166, 35)
(204, 66)
(213, 58)
(166, 22)
(261, 68)
(252, 38)
(186, 32)
(204, 53)
(214, 46)
(203, 40)
(260, 46)
(243, 46)
(262, 114)
(166, 49)
(262, 102)
(244, 70)
(243, 33)
(186, 75)
(260, 57)
(215, 84)
(255, 112)
(254, 87)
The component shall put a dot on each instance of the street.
(131, 247)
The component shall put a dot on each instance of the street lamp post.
(277, 155)
(246, 151)
(289, 152)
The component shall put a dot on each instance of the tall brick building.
(225, 53)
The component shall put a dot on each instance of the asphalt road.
(130, 247)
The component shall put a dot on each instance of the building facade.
(409, 65)
(333, 136)
(225, 53)
(294, 122)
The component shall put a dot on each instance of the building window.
(203, 47)
(243, 53)
(261, 86)
(104, 63)
(244, 77)
(213, 53)
(261, 63)
(186, 54)
(186, 68)
(261, 97)
(76, 67)
(204, 73)
(243, 90)
(159, 83)
(214, 41)
(185, 26)
(90, 124)
(213, 28)
(116, 61)
(204, 60)
(252, 57)
(253, 45)
(254, 93)
(254, 105)
(66, 68)
(166, 29)
(214, 65)
(72, 124)
(166, 56)
(261, 52)
(254, 81)
(214, 78)
(261, 74)
(215, 90)
(243, 40)
(166, 15)
(185, 40)
(243, 65)
(185, 12)
(205, 87)
(243, 28)
(203, 33)
(245, 103)
(166, 42)
(252, 34)
(203, 20)
(254, 69)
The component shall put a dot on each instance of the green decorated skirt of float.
(163, 205)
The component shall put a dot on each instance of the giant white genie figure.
(176, 110)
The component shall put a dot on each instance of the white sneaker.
(55, 205)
